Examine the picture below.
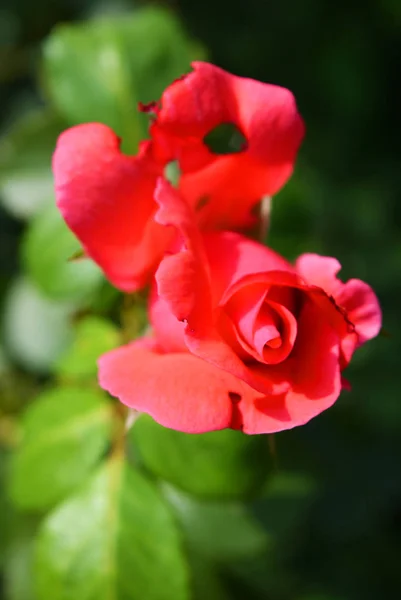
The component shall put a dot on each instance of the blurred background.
(327, 525)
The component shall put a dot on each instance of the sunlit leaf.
(114, 539)
(221, 531)
(93, 336)
(36, 330)
(46, 249)
(18, 568)
(99, 70)
(26, 181)
(220, 464)
(65, 432)
(206, 579)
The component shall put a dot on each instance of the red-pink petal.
(232, 256)
(230, 188)
(265, 114)
(264, 329)
(208, 96)
(106, 199)
(183, 283)
(178, 390)
(183, 280)
(312, 373)
(279, 280)
(275, 353)
(243, 310)
(355, 297)
(319, 270)
(363, 309)
(169, 330)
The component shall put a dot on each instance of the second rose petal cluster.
(107, 198)
(240, 337)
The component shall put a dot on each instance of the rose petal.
(233, 256)
(106, 199)
(312, 373)
(333, 313)
(183, 283)
(363, 309)
(287, 334)
(169, 330)
(265, 114)
(355, 297)
(230, 188)
(265, 330)
(243, 310)
(183, 280)
(178, 390)
(266, 334)
(319, 270)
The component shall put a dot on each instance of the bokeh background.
(332, 516)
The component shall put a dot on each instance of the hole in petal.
(172, 172)
(226, 138)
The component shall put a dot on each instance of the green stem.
(265, 209)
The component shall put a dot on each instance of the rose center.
(262, 324)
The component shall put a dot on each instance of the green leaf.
(4, 508)
(100, 70)
(26, 181)
(65, 433)
(218, 531)
(46, 249)
(283, 507)
(206, 580)
(115, 539)
(18, 568)
(36, 330)
(220, 464)
(93, 336)
(321, 596)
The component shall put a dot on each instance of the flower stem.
(265, 209)
(271, 440)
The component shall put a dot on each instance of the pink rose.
(241, 338)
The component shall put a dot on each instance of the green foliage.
(100, 70)
(26, 180)
(36, 329)
(221, 464)
(47, 249)
(65, 432)
(93, 337)
(114, 539)
(219, 531)
(3, 509)
(206, 582)
(18, 568)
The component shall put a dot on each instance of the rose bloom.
(107, 198)
(241, 338)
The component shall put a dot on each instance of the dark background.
(341, 60)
